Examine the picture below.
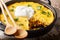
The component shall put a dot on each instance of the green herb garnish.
(20, 24)
(34, 11)
(25, 20)
(12, 10)
(39, 7)
(16, 19)
(4, 21)
(7, 15)
(43, 12)
(29, 5)
(48, 14)
(12, 6)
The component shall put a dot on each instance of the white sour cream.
(24, 11)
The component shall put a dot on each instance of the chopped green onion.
(4, 21)
(48, 14)
(34, 11)
(16, 19)
(7, 15)
(29, 5)
(20, 24)
(12, 10)
(12, 6)
(25, 20)
(43, 12)
(39, 7)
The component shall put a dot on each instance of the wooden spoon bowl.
(21, 34)
(10, 30)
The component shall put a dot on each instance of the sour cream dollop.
(24, 11)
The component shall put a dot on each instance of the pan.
(42, 31)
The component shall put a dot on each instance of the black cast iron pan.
(41, 31)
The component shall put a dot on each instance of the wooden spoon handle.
(4, 13)
(8, 12)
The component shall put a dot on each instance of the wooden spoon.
(20, 31)
(8, 29)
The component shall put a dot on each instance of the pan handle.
(46, 1)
